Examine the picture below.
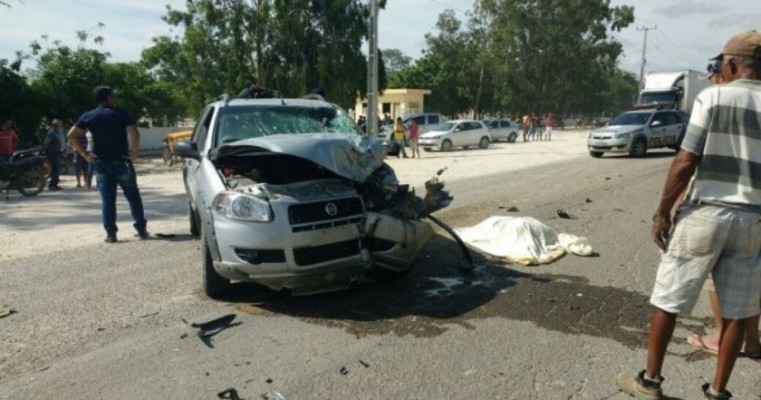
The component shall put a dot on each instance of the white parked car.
(502, 129)
(458, 133)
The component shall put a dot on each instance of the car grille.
(319, 254)
(325, 214)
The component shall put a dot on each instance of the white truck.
(671, 89)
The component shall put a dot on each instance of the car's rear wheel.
(513, 137)
(214, 285)
(639, 148)
(484, 143)
(446, 145)
(595, 154)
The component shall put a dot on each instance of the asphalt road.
(112, 322)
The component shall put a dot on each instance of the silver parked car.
(424, 121)
(502, 129)
(459, 133)
(634, 132)
(288, 194)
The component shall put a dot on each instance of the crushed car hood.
(351, 157)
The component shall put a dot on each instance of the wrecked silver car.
(288, 194)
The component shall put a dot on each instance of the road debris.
(209, 329)
(565, 215)
(6, 311)
(343, 371)
(269, 380)
(509, 209)
(230, 394)
(588, 200)
(149, 315)
(364, 364)
(273, 396)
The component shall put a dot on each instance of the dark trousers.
(121, 173)
(55, 170)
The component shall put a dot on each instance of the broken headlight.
(241, 206)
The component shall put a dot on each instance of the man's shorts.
(724, 241)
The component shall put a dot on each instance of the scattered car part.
(207, 330)
(5, 311)
(230, 394)
(565, 215)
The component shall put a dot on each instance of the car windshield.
(447, 126)
(631, 119)
(246, 122)
(657, 97)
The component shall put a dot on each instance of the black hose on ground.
(468, 264)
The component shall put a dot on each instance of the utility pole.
(644, 50)
(372, 72)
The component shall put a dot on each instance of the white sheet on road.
(522, 240)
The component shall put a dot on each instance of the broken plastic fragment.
(230, 394)
(565, 215)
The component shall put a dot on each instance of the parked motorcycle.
(24, 171)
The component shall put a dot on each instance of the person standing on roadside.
(52, 147)
(550, 122)
(526, 121)
(8, 138)
(112, 158)
(718, 228)
(710, 342)
(413, 133)
(399, 133)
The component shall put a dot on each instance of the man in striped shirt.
(718, 229)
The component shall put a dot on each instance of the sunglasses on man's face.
(714, 67)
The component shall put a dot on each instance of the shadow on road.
(436, 296)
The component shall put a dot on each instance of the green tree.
(395, 61)
(289, 45)
(18, 101)
(556, 54)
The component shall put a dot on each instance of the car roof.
(235, 102)
(457, 121)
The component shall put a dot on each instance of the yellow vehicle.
(170, 157)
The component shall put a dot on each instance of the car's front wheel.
(484, 143)
(214, 285)
(446, 145)
(513, 137)
(639, 148)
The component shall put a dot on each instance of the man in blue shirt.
(112, 158)
(52, 147)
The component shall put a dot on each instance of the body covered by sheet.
(522, 240)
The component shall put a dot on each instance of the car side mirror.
(187, 149)
(656, 123)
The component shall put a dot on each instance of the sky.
(687, 32)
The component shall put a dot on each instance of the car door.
(459, 134)
(192, 166)
(474, 133)
(494, 129)
(675, 126)
(659, 130)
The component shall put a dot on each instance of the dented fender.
(396, 242)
